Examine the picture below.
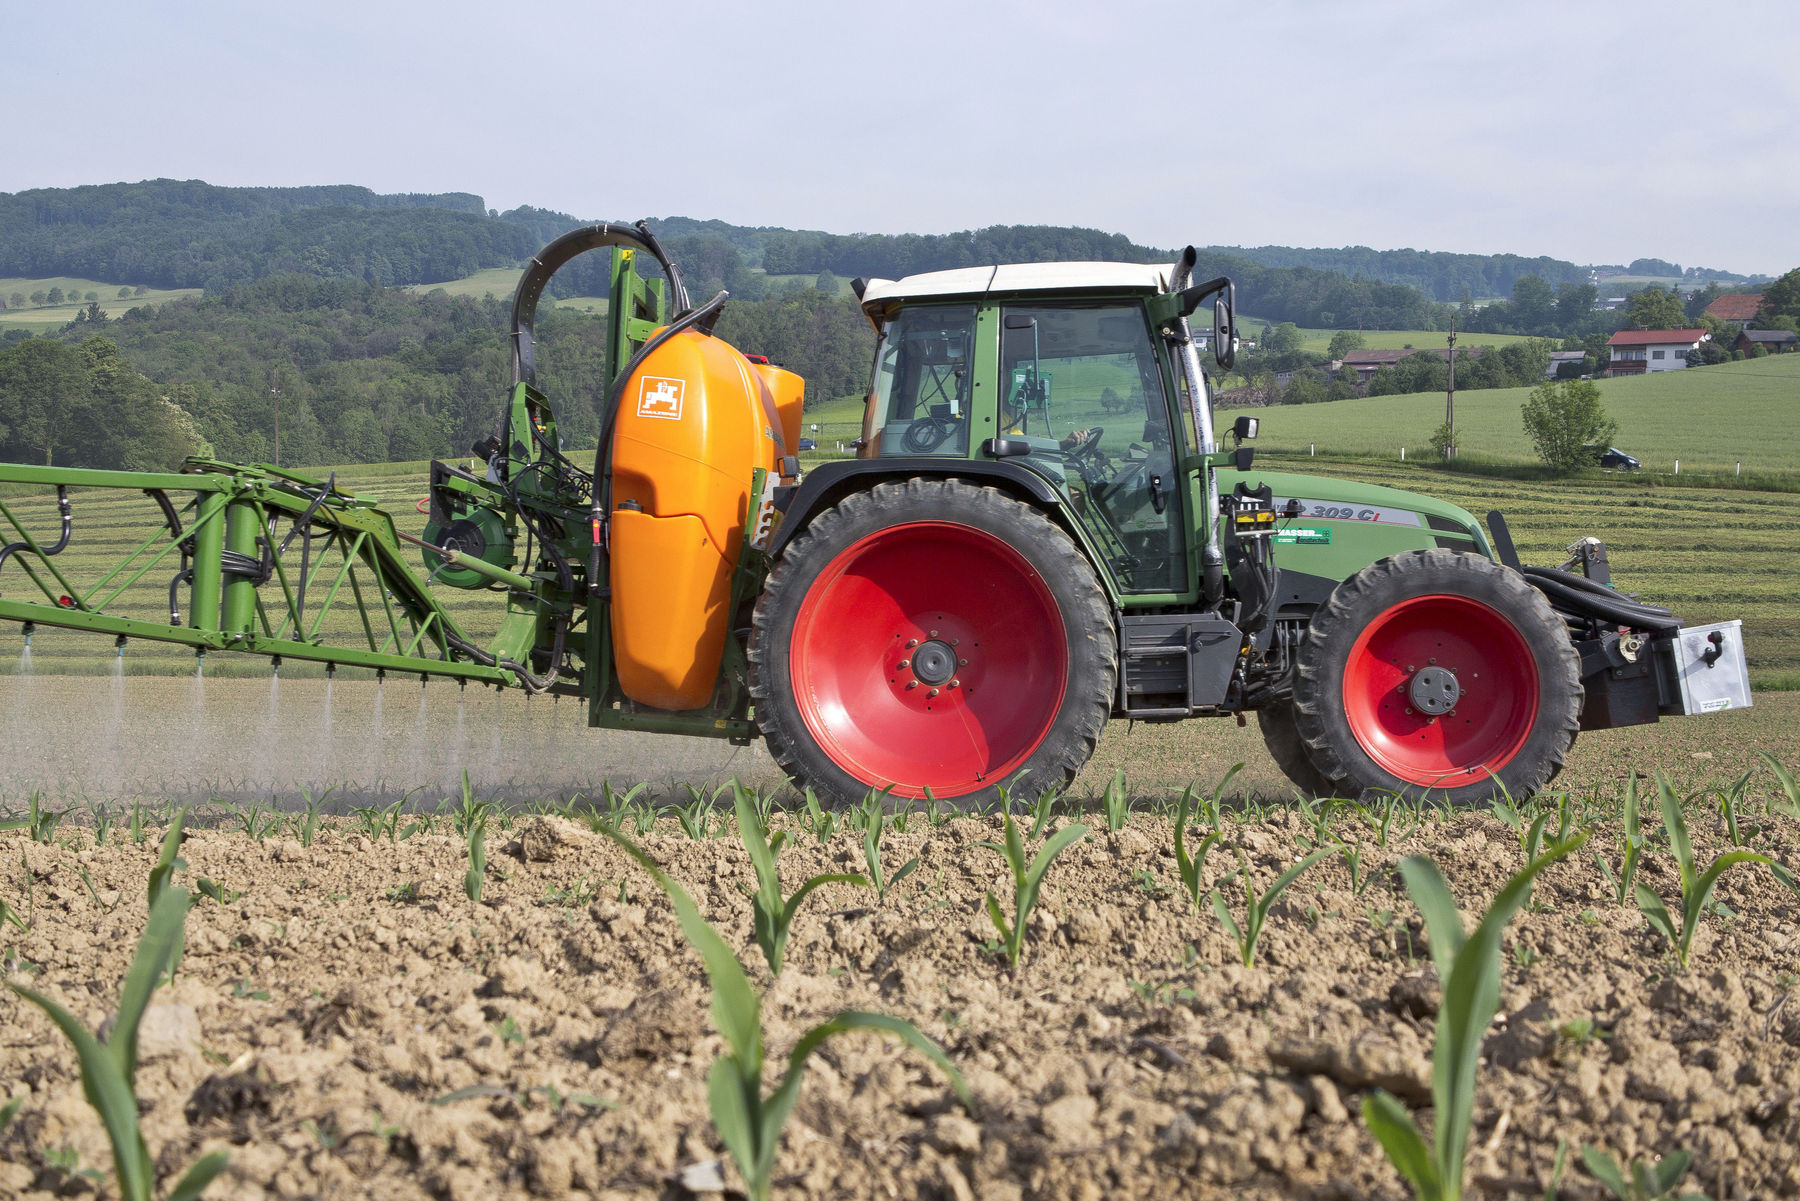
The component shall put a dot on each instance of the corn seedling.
(469, 813)
(1042, 810)
(874, 823)
(696, 817)
(773, 916)
(1629, 850)
(1256, 907)
(1115, 802)
(216, 891)
(1653, 1181)
(1790, 788)
(1729, 800)
(169, 860)
(749, 1123)
(1469, 968)
(477, 873)
(1189, 866)
(109, 1070)
(821, 821)
(1027, 879)
(40, 823)
(1696, 886)
(136, 824)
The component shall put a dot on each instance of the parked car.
(810, 444)
(1615, 459)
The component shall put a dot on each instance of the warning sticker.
(1715, 705)
(661, 397)
(1303, 537)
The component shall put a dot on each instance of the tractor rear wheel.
(932, 634)
(1282, 737)
(1440, 672)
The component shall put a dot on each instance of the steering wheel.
(1088, 446)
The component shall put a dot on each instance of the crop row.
(1033, 833)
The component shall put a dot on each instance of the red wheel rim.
(992, 649)
(1494, 670)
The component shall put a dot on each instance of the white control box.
(1710, 662)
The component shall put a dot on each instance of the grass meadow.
(41, 318)
(1712, 419)
(1318, 340)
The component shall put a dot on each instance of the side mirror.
(1224, 337)
(1244, 429)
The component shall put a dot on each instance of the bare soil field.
(352, 1026)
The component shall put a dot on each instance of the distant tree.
(17, 299)
(1702, 297)
(1575, 307)
(1345, 341)
(1653, 308)
(1304, 389)
(1653, 267)
(91, 297)
(1781, 298)
(1533, 306)
(38, 297)
(1281, 339)
(140, 290)
(124, 293)
(1565, 418)
(826, 283)
(56, 296)
(1443, 438)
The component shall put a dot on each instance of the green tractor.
(1041, 531)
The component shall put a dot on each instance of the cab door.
(1080, 384)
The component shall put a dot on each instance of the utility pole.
(1450, 396)
(275, 391)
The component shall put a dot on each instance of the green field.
(1711, 418)
(41, 318)
(500, 283)
(1318, 340)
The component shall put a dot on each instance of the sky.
(1598, 132)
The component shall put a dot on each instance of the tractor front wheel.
(1437, 672)
(932, 634)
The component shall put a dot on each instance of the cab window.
(1081, 386)
(923, 382)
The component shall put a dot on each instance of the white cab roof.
(1016, 277)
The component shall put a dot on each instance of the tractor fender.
(829, 482)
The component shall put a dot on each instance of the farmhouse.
(1774, 341)
(1368, 362)
(1735, 306)
(1637, 351)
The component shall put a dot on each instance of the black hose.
(62, 503)
(1612, 608)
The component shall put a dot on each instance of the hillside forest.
(302, 309)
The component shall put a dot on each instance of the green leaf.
(196, 1178)
(755, 840)
(906, 869)
(1015, 850)
(1657, 913)
(1676, 824)
(1225, 918)
(156, 950)
(1471, 996)
(736, 1009)
(730, 1095)
(998, 918)
(793, 904)
(1605, 1169)
(106, 1088)
(1290, 875)
(1399, 1136)
(1057, 843)
(1443, 922)
(1666, 1175)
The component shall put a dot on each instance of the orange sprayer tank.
(789, 392)
(694, 423)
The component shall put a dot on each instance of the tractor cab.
(1056, 368)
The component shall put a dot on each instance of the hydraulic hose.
(62, 503)
(1571, 593)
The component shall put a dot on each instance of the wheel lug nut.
(933, 692)
(962, 662)
(911, 642)
(956, 642)
(955, 683)
(934, 633)
(1408, 708)
(906, 663)
(912, 684)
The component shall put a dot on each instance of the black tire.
(1282, 737)
(933, 552)
(1410, 634)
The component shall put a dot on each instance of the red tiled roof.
(1655, 337)
(1736, 306)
